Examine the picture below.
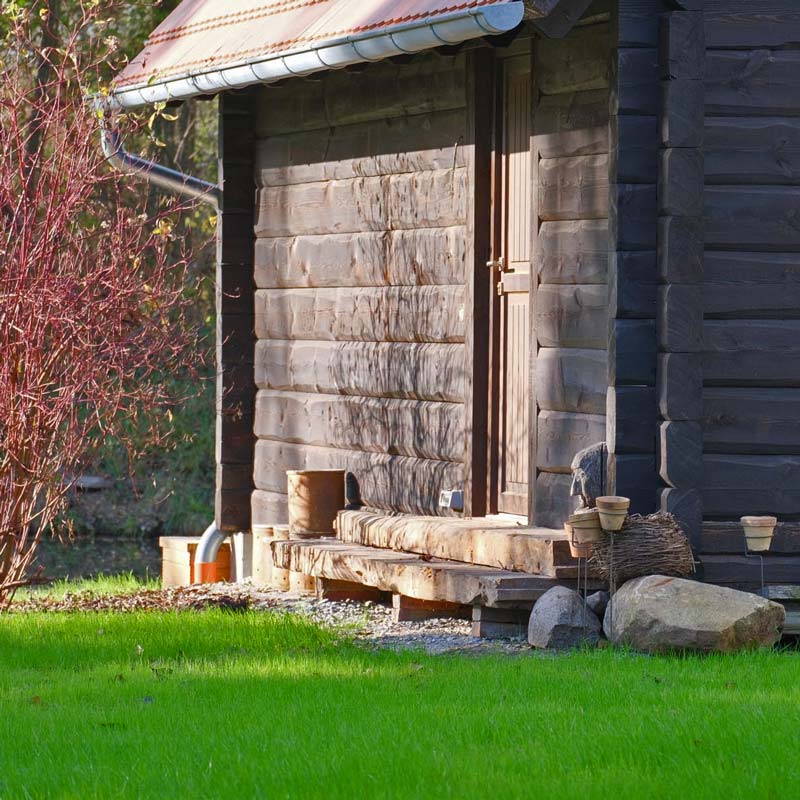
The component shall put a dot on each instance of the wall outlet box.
(452, 499)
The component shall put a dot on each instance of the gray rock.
(588, 468)
(598, 602)
(557, 621)
(658, 614)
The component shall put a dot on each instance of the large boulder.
(561, 620)
(658, 614)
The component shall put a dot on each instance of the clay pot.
(613, 512)
(585, 526)
(576, 550)
(758, 532)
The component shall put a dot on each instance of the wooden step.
(410, 575)
(491, 542)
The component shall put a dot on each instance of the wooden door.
(514, 243)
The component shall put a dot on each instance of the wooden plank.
(573, 188)
(374, 424)
(728, 537)
(553, 501)
(635, 85)
(751, 420)
(680, 453)
(573, 124)
(683, 113)
(403, 370)
(683, 45)
(387, 146)
(635, 476)
(742, 572)
(511, 590)
(635, 157)
(679, 385)
(373, 314)
(428, 256)
(764, 82)
(753, 218)
(762, 285)
(561, 435)
(430, 82)
(633, 216)
(396, 483)
(775, 27)
(632, 353)
(681, 242)
(631, 421)
(751, 352)
(269, 508)
(491, 542)
(577, 63)
(499, 623)
(572, 380)
(680, 318)
(735, 485)
(405, 573)
(573, 252)
(432, 199)
(680, 182)
(572, 316)
(752, 150)
(633, 289)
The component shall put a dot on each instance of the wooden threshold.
(494, 542)
(410, 575)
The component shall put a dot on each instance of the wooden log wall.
(680, 267)
(234, 310)
(751, 297)
(635, 107)
(571, 151)
(361, 296)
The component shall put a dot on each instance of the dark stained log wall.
(361, 303)
(751, 291)
(235, 393)
(571, 149)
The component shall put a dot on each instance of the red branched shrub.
(90, 287)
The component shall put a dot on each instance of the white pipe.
(170, 179)
(205, 556)
(411, 38)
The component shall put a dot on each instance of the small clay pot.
(758, 532)
(613, 512)
(576, 550)
(585, 526)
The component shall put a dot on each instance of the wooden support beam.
(335, 590)
(500, 623)
(410, 609)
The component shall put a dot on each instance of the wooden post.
(632, 417)
(480, 125)
(680, 248)
(235, 398)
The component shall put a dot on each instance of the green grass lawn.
(218, 704)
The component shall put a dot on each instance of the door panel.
(513, 288)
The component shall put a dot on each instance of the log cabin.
(458, 242)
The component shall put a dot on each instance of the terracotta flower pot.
(758, 532)
(576, 550)
(613, 511)
(585, 526)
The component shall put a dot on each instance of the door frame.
(485, 93)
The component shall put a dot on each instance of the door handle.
(498, 264)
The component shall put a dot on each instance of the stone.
(598, 603)
(658, 614)
(588, 468)
(558, 618)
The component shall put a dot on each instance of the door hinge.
(500, 289)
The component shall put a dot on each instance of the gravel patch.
(370, 623)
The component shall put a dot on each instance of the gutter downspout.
(155, 173)
(205, 566)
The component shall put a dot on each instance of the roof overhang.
(207, 46)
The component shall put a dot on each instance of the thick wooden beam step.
(412, 576)
(491, 542)
(741, 572)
